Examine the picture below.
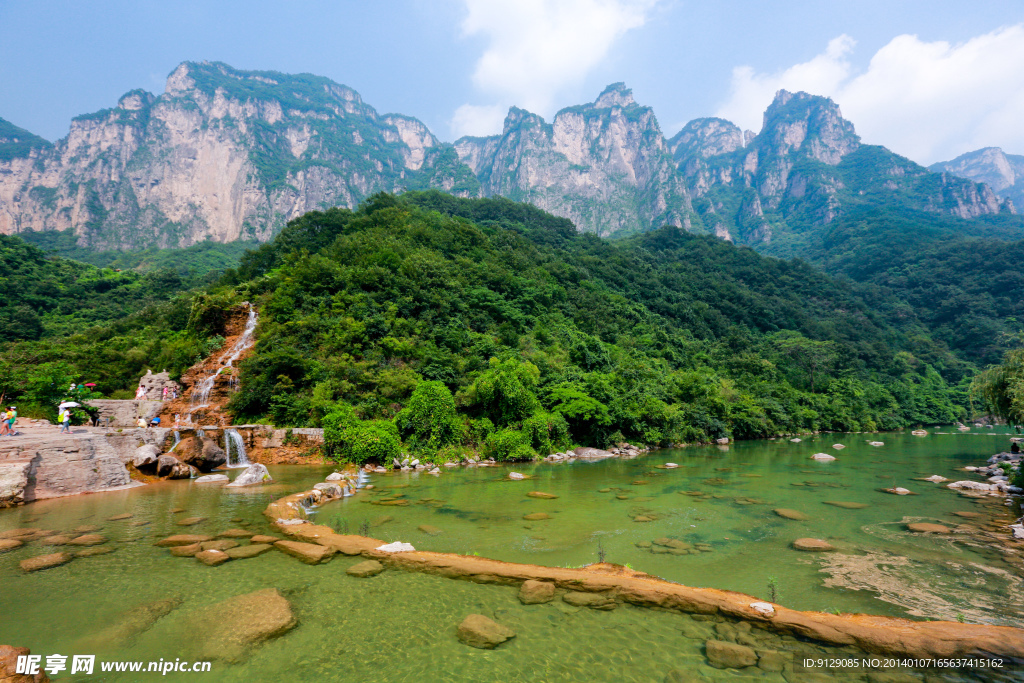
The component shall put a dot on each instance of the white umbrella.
(69, 404)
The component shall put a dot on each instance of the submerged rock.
(117, 518)
(516, 476)
(927, 528)
(228, 629)
(541, 495)
(181, 539)
(235, 533)
(430, 530)
(40, 562)
(722, 655)
(186, 550)
(190, 521)
(365, 569)
(536, 592)
(813, 545)
(129, 625)
(846, 504)
(476, 630)
(88, 539)
(253, 474)
(536, 516)
(786, 513)
(592, 600)
(222, 544)
(9, 544)
(243, 552)
(263, 538)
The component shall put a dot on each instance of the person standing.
(65, 419)
(12, 417)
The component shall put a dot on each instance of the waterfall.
(232, 437)
(201, 393)
(177, 440)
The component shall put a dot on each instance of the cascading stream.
(233, 442)
(201, 394)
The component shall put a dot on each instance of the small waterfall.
(177, 440)
(233, 441)
(201, 393)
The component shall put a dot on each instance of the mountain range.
(225, 154)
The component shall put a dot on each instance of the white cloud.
(536, 48)
(472, 119)
(928, 101)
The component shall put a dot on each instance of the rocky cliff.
(605, 166)
(225, 154)
(1004, 173)
(222, 154)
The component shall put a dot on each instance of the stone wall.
(125, 413)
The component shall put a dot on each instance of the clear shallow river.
(399, 626)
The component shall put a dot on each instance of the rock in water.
(334, 476)
(88, 539)
(310, 553)
(536, 516)
(592, 453)
(430, 530)
(722, 655)
(365, 569)
(243, 552)
(791, 514)
(128, 625)
(823, 456)
(181, 539)
(812, 545)
(9, 544)
(40, 562)
(536, 592)
(592, 600)
(926, 528)
(228, 629)
(846, 504)
(515, 476)
(253, 474)
(212, 558)
(9, 666)
(212, 479)
(541, 495)
(205, 457)
(476, 630)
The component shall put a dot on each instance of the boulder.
(838, 446)
(204, 455)
(365, 569)
(536, 592)
(823, 456)
(310, 553)
(476, 630)
(212, 479)
(397, 547)
(722, 655)
(812, 545)
(329, 490)
(926, 528)
(971, 486)
(227, 630)
(212, 558)
(246, 551)
(170, 467)
(9, 666)
(786, 513)
(335, 476)
(592, 600)
(252, 475)
(181, 539)
(13, 480)
(146, 457)
(516, 476)
(39, 562)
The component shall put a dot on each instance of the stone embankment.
(41, 463)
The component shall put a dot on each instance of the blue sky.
(928, 79)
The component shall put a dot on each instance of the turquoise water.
(399, 626)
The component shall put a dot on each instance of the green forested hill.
(519, 334)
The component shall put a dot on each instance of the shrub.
(430, 422)
(373, 441)
(508, 444)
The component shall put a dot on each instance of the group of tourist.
(7, 419)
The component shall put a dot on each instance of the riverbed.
(719, 506)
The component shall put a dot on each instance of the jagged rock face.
(222, 154)
(807, 165)
(1004, 173)
(605, 166)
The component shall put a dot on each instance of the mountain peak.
(615, 95)
(815, 123)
